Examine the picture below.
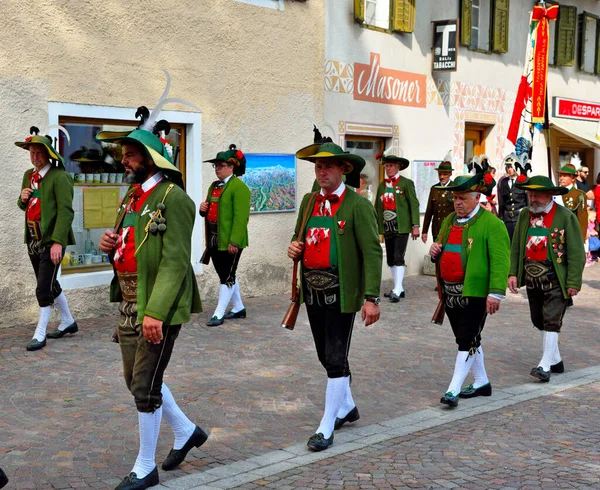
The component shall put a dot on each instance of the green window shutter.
(466, 15)
(597, 60)
(564, 44)
(500, 26)
(582, 24)
(359, 11)
(403, 15)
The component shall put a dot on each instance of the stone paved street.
(68, 421)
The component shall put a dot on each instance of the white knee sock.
(550, 345)
(479, 369)
(398, 273)
(334, 396)
(149, 425)
(347, 403)
(236, 298)
(225, 293)
(462, 366)
(44, 318)
(556, 358)
(66, 319)
(182, 427)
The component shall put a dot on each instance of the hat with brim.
(87, 155)
(511, 159)
(333, 152)
(541, 183)
(152, 146)
(232, 156)
(402, 162)
(46, 142)
(445, 167)
(480, 182)
(568, 169)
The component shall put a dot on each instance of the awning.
(582, 131)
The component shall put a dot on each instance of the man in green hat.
(397, 209)
(227, 211)
(47, 199)
(548, 257)
(155, 285)
(439, 202)
(574, 199)
(337, 242)
(472, 255)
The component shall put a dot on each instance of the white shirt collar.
(226, 179)
(339, 191)
(152, 181)
(473, 213)
(44, 171)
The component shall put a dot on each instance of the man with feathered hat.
(227, 211)
(439, 202)
(337, 243)
(574, 199)
(155, 285)
(397, 210)
(511, 199)
(548, 257)
(47, 199)
(472, 255)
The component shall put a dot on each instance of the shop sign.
(445, 45)
(373, 83)
(576, 109)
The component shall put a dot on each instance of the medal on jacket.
(341, 225)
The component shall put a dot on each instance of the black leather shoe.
(402, 294)
(387, 295)
(540, 374)
(449, 399)
(132, 482)
(394, 298)
(3, 478)
(352, 416)
(215, 322)
(238, 314)
(36, 345)
(57, 334)
(558, 368)
(317, 442)
(176, 456)
(470, 392)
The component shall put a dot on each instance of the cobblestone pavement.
(544, 443)
(68, 421)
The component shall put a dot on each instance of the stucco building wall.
(256, 73)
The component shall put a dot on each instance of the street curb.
(274, 462)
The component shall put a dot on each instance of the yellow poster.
(100, 207)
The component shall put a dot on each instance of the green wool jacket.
(56, 201)
(407, 205)
(358, 248)
(167, 287)
(234, 214)
(570, 270)
(485, 253)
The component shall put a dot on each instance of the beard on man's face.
(138, 175)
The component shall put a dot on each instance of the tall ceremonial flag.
(530, 104)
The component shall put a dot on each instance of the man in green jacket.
(226, 212)
(47, 199)
(156, 288)
(336, 239)
(397, 209)
(472, 260)
(548, 257)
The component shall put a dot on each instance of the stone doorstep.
(274, 462)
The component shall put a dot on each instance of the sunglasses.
(219, 165)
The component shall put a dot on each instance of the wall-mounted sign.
(575, 109)
(424, 176)
(445, 45)
(373, 83)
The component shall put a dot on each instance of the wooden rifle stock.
(438, 315)
(289, 320)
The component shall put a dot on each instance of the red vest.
(388, 198)
(317, 248)
(34, 207)
(451, 266)
(537, 235)
(213, 208)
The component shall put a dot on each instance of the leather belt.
(321, 279)
(35, 229)
(128, 281)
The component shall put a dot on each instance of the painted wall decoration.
(424, 176)
(271, 178)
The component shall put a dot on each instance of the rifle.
(440, 311)
(289, 320)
